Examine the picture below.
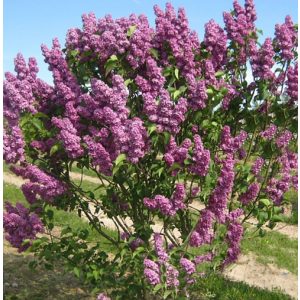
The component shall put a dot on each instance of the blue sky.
(29, 23)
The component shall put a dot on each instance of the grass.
(275, 248)
(218, 288)
(292, 197)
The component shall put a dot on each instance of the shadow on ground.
(22, 283)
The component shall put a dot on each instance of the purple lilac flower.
(188, 266)
(102, 296)
(269, 133)
(203, 233)
(218, 199)
(242, 153)
(41, 184)
(240, 25)
(125, 236)
(136, 243)
(285, 38)
(276, 187)
(178, 197)
(177, 154)
(215, 41)
(159, 248)
(150, 203)
(292, 83)
(231, 144)
(274, 191)
(250, 194)
(231, 94)
(195, 191)
(257, 166)
(262, 62)
(13, 145)
(68, 135)
(167, 207)
(234, 215)
(172, 276)
(197, 93)
(175, 31)
(150, 264)
(283, 140)
(234, 236)
(20, 224)
(203, 258)
(200, 158)
(152, 276)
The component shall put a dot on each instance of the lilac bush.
(192, 137)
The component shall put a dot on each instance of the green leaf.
(120, 158)
(128, 81)
(138, 251)
(154, 53)
(209, 92)
(76, 271)
(176, 73)
(157, 288)
(219, 74)
(113, 58)
(110, 64)
(278, 218)
(54, 149)
(176, 94)
(174, 167)
(265, 202)
(41, 115)
(131, 30)
(167, 294)
(151, 128)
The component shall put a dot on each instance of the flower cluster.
(20, 225)
(286, 37)
(203, 233)
(200, 158)
(276, 187)
(177, 154)
(269, 133)
(257, 166)
(250, 194)
(215, 41)
(13, 145)
(40, 184)
(168, 207)
(283, 139)
(151, 271)
(262, 62)
(234, 236)
(240, 24)
(292, 83)
(102, 296)
(68, 135)
(231, 144)
(218, 199)
(188, 266)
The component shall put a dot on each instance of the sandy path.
(268, 276)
